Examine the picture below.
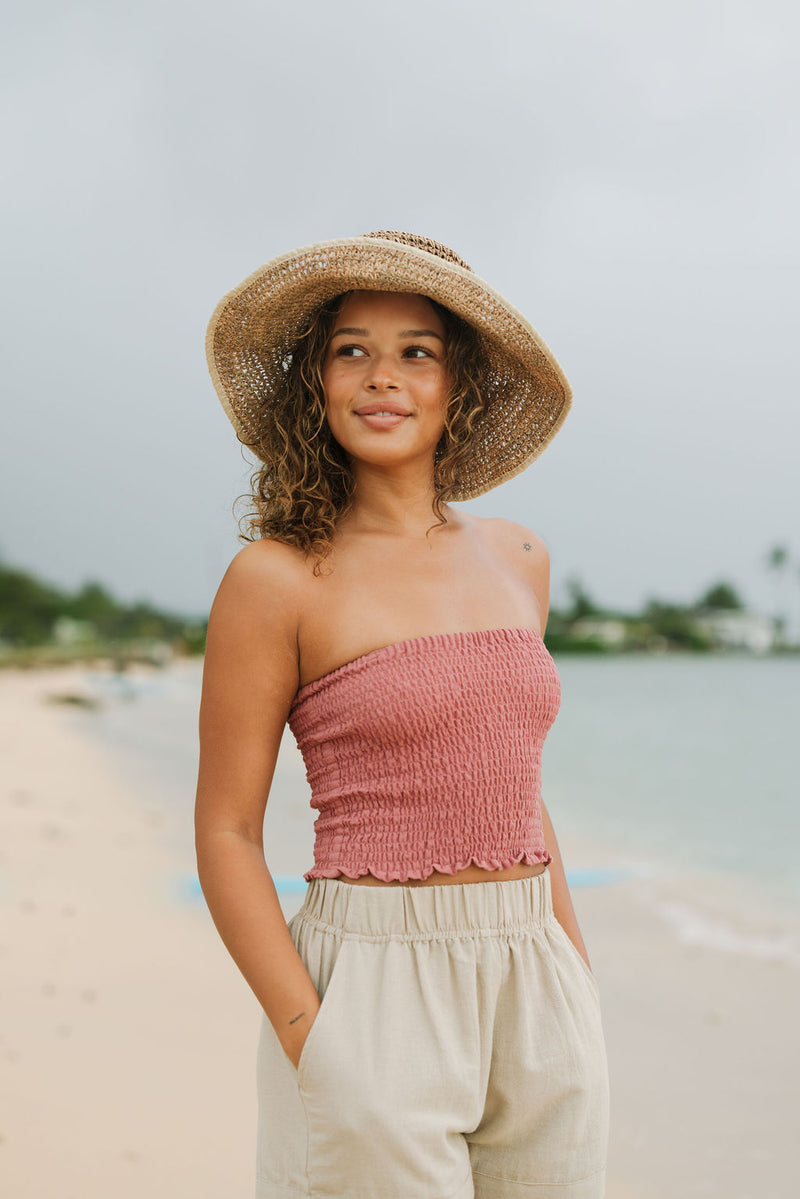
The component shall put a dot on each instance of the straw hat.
(255, 327)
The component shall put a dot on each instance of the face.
(384, 375)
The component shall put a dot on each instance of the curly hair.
(305, 484)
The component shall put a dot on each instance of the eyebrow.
(351, 332)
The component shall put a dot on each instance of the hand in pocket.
(294, 1048)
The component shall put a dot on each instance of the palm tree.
(582, 603)
(777, 560)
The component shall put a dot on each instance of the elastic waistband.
(428, 913)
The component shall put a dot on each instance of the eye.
(419, 350)
(348, 351)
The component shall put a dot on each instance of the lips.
(382, 406)
(383, 420)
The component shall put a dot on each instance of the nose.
(381, 376)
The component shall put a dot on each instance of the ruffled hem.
(403, 876)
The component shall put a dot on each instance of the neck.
(398, 504)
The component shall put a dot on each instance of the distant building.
(737, 629)
(609, 632)
(68, 632)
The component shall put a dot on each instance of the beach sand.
(127, 1036)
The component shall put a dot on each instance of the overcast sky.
(626, 174)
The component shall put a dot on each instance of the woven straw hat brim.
(255, 326)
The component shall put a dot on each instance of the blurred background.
(627, 176)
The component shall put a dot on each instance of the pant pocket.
(390, 1077)
(282, 1140)
(283, 1128)
(323, 954)
(545, 1125)
(571, 950)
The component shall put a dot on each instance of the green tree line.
(30, 612)
(35, 614)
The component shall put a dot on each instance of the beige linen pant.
(458, 1052)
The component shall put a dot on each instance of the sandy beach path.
(126, 1041)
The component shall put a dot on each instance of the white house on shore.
(613, 633)
(727, 628)
(737, 629)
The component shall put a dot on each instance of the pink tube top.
(425, 755)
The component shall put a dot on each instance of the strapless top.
(425, 755)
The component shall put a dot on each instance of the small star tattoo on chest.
(526, 545)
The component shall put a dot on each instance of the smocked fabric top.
(425, 755)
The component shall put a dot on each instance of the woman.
(431, 1024)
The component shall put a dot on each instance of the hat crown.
(421, 243)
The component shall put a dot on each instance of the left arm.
(562, 901)
(529, 554)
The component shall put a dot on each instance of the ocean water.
(673, 760)
(685, 759)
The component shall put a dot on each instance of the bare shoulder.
(525, 554)
(265, 564)
(261, 590)
(514, 539)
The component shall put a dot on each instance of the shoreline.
(129, 1037)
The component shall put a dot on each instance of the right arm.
(250, 676)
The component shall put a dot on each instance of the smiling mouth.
(383, 422)
(382, 415)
